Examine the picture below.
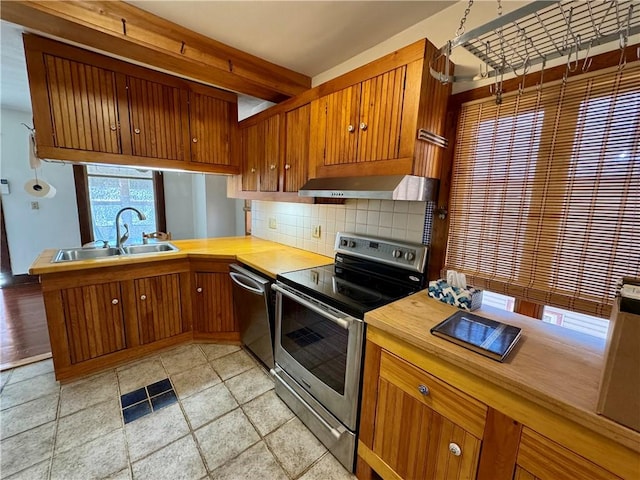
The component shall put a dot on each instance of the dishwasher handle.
(247, 283)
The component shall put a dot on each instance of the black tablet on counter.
(490, 338)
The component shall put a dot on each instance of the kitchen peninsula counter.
(268, 257)
(549, 382)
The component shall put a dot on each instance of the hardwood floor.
(23, 325)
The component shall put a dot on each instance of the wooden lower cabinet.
(423, 427)
(158, 307)
(94, 317)
(414, 425)
(213, 313)
(542, 459)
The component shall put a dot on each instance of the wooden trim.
(364, 470)
(25, 361)
(371, 372)
(530, 309)
(161, 212)
(82, 202)
(398, 166)
(375, 462)
(499, 447)
(151, 39)
(225, 337)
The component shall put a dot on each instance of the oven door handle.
(243, 281)
(336, 432)
(342, 322)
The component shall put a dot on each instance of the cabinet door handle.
(363, 126)
(143, 297)
(114, 301)
(136, 131)
(455, 449)
(424, 390)
(287, 166)
(351, 128)
(199, 289)
(253, 170)
(272, 167)
(113, 128)
(194, 140)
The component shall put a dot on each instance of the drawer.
(449, 402)
(547, 460)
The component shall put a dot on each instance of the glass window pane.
(594, 326)
(497, 300)
(107, 195)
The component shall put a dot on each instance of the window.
(545, 192)
(103, 190)
(594, 326)
(497, 300)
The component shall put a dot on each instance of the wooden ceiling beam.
(120, 29)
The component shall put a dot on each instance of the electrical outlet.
(35, 206)
(272, 223)
(317, 231)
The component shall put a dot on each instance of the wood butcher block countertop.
(550, 367)
(267, 257)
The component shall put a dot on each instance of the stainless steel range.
(320, 332)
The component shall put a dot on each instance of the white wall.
(398, 220)
(55, 223)
(220, 211)
(178, 199)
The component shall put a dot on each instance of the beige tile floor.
(228, 423)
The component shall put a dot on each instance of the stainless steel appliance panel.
(321, 348)
(251, 300)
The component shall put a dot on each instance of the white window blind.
(545, 195)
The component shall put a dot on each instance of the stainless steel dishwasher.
(254, 310)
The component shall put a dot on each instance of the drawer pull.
(143, 297)
(287, 166)
(113, 128)
(136, 131)
(199, 289)
(424, 390)
(363, 126)
(455, 449)
(114, 301)
(194, 140)
(351, 128)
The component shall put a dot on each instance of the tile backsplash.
(295, 223)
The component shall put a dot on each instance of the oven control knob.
(396, 253)
(344, 242)
(352, 244)
(409, 256)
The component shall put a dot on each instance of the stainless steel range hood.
(386, 187)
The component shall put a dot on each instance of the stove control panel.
(406, 255)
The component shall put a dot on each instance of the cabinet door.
(540, 458)
(83, 106)
(251, 158)
(214, 303)
(158, 307)
(380, 119)
(296, 156)
(415, 441)
(341, 125)
(94, 320)
(211, 121)
(269, 133)
(158, 119)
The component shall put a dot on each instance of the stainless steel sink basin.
(149, 248)
(71, 254)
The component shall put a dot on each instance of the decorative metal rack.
(542, 31)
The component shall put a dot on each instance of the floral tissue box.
(465, 298)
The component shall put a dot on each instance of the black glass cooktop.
(350, 291)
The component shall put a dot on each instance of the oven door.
(321, 349)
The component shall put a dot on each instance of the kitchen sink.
(71, 254)
(149, 248)
(75, 254)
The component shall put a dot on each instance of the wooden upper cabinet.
(83, 106)
(251, 146)
(213, 121)
(362, 123)
(269, 154)
(94, 320)
(296, 152)
(88, 107)
(158, 119)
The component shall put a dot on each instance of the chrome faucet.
(121, 239)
